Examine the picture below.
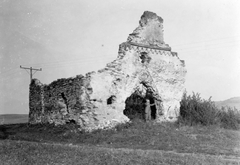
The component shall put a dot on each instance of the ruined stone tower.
(145, 66)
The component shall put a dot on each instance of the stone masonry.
(145, 64)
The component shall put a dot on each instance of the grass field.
(134, 143)
(20, 152)
(13, 118)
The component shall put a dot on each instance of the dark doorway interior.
(135, 106)
(149, 95)
(65, 100)
(153, 108)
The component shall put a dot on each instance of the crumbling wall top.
(147, 16)
(149, 32)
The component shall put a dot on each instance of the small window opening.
(71, 121)
(111, 100)
(65, 100)
(144, 57)
(90, 89)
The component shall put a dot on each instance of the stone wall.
(144, 65)
(62, 101)
(35, 102)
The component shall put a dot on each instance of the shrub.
(229, 118)
(195, 110)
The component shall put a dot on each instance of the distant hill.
(232, 102)
(13, 118)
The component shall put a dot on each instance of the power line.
(176, 47)
(205, 48)
(74, 63)
(8, 71)
(31, 73)
(216, 39)
(192, 48)
(56, 64)
(73, 60)
(93, 60)
(207, 45)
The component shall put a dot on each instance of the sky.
(70, 37)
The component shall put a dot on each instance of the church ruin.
(144, 68)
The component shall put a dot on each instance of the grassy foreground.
(134, 143)
(20, 152)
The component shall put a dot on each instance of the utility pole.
(31, 71)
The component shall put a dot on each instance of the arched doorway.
(135, 106)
